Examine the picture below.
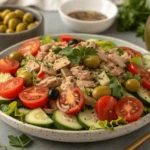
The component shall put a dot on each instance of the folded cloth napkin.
(48, 5)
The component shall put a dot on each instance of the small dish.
(8, 39)
(105, 7)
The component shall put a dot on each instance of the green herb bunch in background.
(133, 15)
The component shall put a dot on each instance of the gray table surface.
(53, 25)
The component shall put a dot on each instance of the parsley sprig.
(129, 75)
(116, 87)
(76, 55)
(17, 141)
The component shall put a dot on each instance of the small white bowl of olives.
(18, 24)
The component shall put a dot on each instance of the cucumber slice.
(5, 100)
(89, 118)
(38, 117)
(146, 60)
(24, 110)
(65, 121)
(126, 94)
(144, 96)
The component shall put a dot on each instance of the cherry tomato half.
(67, 38)
(31, 47)
(8, 65)
(12, 87)
(34, 97)
(129, 108)
(131, 51)
(135, 69)
(105, 108)
(71, 102)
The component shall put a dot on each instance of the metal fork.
(138, 142)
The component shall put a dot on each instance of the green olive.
(16, 56)
(3, 28)
(13, 23)
(28, 18)
(5, 12)
(100, 91)
(19, 13)
(20, 70)
(9, 16)
(92, 61)
(31, 25)
(132, 85)
(21, 27)
(9, 30)
(27, 76)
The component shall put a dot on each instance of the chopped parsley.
(116, 87)
(76, 55)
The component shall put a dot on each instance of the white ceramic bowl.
(105, 7)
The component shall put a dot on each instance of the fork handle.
(138, 142)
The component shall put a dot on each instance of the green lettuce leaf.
(113, 123)
(45, 39)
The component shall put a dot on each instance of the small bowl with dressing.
(88, 16)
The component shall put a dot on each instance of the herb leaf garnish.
(21, 141)
(76, 55)
(115, 87)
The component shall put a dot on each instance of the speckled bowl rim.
(32, 10)
(81, 135)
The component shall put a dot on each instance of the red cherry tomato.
(8, 65)
(67, 38)
(31, 47)
(129, 108)
(11, 88)
(105, 108)
(146, 83)
(71, 102)
(34, 97)
(135, 69)
(131, 51)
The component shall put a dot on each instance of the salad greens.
(115, 87)
(133, 15)
(76, 55)
(113, 123)
(129, 75)
(45, 39)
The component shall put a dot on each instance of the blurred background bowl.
(105, 7)
(8, 39)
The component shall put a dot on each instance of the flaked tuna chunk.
(46, 47)
(51, 82)
(50, 57)
(102, 54)
(68, 83)
(85, 83)
(60, 63)
(126, 57)
(41, 55)
(117, 59)
(45, 70)
(33, 65)
(116, 71)
(81, 74)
